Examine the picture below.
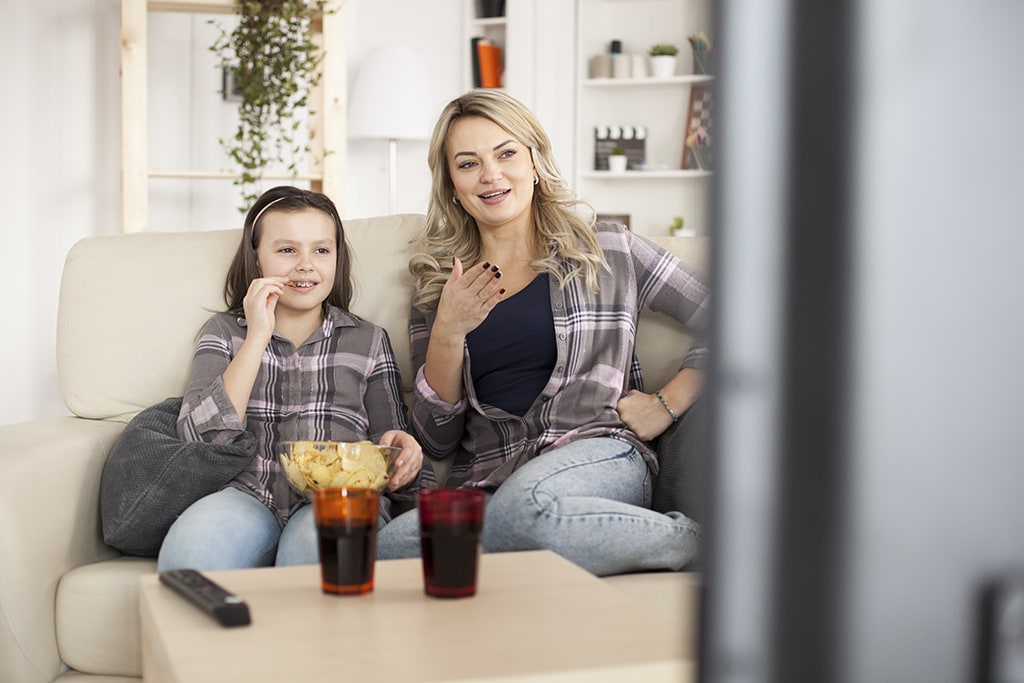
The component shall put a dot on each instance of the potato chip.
(317, 464)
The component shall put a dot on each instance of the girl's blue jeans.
(230, 529)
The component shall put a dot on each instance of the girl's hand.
(260, 303)
(467, 298)
(409, 462)
(644, 414)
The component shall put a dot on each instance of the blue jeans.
(230, 529)
(587, 501)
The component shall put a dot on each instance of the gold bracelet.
(665, 403)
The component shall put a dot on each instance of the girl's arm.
(386, 412)
(207, 412)
(259, 303)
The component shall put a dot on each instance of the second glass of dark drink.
(346, 527)
(450, 524)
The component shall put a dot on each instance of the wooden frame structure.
(327, 126)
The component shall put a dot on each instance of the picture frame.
(700, 114)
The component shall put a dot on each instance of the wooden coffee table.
(535, 617)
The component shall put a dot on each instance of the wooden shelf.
(646, 175)
(627, 82)
(327, 125)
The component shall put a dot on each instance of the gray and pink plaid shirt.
(341, 384)
(596, 365)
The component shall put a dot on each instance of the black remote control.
(228, 609)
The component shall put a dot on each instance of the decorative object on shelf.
(620, 218)
(391, 101)
(492, 8)
(486, 57)
(639, 69)
(676, 229)
(601, 66)
(274, 63)
(699, 119)
(663, 60)
(702, 53)
(631, 139)
(699, 145)
(617, 160)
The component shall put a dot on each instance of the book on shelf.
(487, 63)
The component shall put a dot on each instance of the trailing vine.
(274, 62)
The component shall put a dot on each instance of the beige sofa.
(130, 307)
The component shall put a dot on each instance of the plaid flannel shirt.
(596, 365)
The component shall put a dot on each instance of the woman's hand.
(644, 414)
(260, 303)
(409, 462)
(468, 297)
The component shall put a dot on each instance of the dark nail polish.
(497, 275)
(501, 291)
(487, 264)
(494, 269)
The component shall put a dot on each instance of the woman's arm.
(438, 425)
(671, 287)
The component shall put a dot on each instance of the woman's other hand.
(409, 462)
(644, 414)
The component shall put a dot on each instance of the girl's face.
(301, 246)
(492, 172)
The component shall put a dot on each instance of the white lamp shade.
(391, 97)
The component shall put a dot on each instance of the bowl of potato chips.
(320, 464)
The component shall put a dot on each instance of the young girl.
(287, 361)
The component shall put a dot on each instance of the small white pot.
(663, 66)
(617, 163)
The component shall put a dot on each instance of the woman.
(522, 335)
(287, 361)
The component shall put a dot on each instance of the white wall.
(60, 167)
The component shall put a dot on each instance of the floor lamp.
(391, 101)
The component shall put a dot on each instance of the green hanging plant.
(275, 63)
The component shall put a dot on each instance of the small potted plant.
(617, 160)
(676, 228)
(663, 60)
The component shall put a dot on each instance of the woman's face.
(301, 246)
(492, 172)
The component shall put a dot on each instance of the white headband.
(264, 210)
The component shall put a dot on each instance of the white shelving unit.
(514, 34)
(651, 197)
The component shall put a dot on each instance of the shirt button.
(559, 369)
(562, 336)
(558, 305)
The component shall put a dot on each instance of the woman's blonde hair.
(557, 220)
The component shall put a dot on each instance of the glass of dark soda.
(450, 524)
(346, 527)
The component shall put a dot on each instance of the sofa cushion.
(131, 306)
(98, 628)
(151, 476)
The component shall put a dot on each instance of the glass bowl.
(310, 465)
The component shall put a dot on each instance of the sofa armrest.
(49, 523)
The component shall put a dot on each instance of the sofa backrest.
(131, 306)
